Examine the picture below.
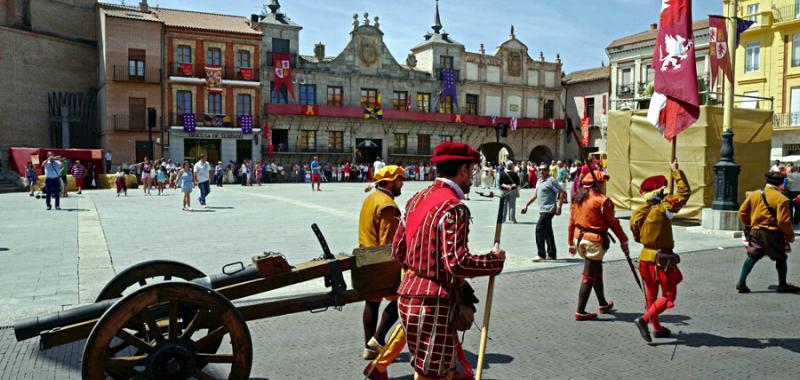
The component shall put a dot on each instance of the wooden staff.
(487, 311)
(674, 156)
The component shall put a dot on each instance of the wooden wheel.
(138, 275)
(147, 336)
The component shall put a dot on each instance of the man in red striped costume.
(431, 245)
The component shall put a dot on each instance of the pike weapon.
(487, 311)
(595, 186)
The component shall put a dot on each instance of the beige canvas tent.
(637, 150)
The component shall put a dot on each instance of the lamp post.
(726, 180)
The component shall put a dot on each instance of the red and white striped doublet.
(431, 245)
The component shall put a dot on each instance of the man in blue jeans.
(202, 172)
(52, 180)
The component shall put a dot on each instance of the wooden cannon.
(185, 326)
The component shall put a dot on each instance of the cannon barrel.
(31, 327)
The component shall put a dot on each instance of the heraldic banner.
(675, 104)
(718, 48)
(214, 78)
(283, 72)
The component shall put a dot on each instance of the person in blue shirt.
(315, 176)
(52, 180)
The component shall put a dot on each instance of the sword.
(591, 171)
(487, 311)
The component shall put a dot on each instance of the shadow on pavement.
(673, 319)
(75, 209)
(711, 340)
(3, 249)
(201, 210)
(221, 208)
(69, 354)
(472, 358)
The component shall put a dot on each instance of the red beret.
(451, 150)
(652, 183)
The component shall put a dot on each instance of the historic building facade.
(587, 94)
(332, 95)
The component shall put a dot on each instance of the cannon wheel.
(171, 348)
(140, 273)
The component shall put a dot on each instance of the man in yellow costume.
(377, 224)
(651, 225)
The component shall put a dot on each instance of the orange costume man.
(591, 216)
(651, 225)
(431, 246)
(377, 224)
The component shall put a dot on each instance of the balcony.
(786, 13)
(185, 70)
(786, 120)
(642, 87)
(283, 148)
(124, 73)
(123, 122)
(176, 119)
(236, 73)
(625, 91)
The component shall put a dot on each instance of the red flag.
(266, 136)
(675, 104)
(718, 48)
(584, 125)
(283, 72)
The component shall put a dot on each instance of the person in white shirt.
(243, 173)
(776, 167)
(202, 176)
(107, 159)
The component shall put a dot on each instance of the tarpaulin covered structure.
(636, 150)
(21, 155)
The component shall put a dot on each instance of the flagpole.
(674, 156)
(727, 170)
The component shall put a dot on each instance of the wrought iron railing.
(123, 73)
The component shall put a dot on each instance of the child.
(122, 187)
(30, 175)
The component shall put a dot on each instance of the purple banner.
(189, 123)
(246, 122)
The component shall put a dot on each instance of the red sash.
(435, 198)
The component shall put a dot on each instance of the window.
(796, 8)
(368, 97)
(752, 56)
(447, 105)
(280, 139)
(308, 94)
(400, 142)
(590, 110)
(214, 57)
(549, 109)
(648, 73)
(446, 138)
(308, 140)
(424, 101)
(136, 64)
(335, 96)
(753, 9)
(794, 107)
(627, 76)
(446, 62)
(215, 103)
(796, 50)
(243, 105)
(184, 54)
(280, 97)
(280, 45)
(336, 141)
(137, 113)
(184, 102)
(243, 58)
(424, 144)
(400, 101)
(700, 63)
(472, 104)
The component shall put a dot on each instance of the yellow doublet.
(379, 219)
(651, 224)
(755, 214)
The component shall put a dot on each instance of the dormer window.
(446, 62)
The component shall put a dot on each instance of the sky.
(578, 30)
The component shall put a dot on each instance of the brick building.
(327, 115)
(48, 57)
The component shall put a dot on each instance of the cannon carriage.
(168, 320)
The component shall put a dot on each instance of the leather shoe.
(742, 288)
(788, 288)
(663, 333)
(643, 330)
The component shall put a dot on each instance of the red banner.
(246, 72)
(311, 110)
(266, 136)
(283, 72)
(718, 48)
(185, 68)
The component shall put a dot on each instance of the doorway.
(193, 148)
(540, 154)
(368, 149)
(143, 150)
(496, 152)
(244, 150)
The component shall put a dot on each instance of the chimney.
(319, 51)
(653, 26)
(254, 19)
(144, 7)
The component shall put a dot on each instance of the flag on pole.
(585, 123)
(718, 48)
(741, 26)
(675, 104)
(283, 72)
